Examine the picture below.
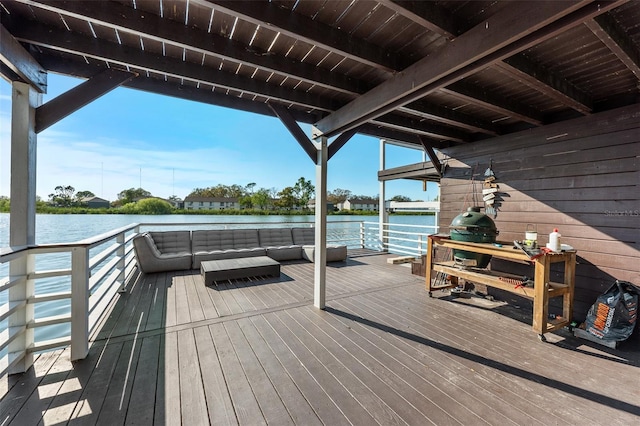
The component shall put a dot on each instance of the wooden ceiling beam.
(310, 31)
(426, 14)
(423, 171)
(450, 117)
(472, 94)
(422, 127)
(122, 18)
(149, 26)
(113, 53)
(525, 71)
(75, 66)
(16, 60)
(616, 40)
(486, 43)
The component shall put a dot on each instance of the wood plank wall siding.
(581, 176)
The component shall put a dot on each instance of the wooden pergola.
(444, 76)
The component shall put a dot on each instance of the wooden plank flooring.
(174, 351)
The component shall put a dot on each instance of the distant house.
(368, 204)
(96, 202)
(312, 205)
(176, 203)
(211, 203)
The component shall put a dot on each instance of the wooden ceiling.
(430, 73)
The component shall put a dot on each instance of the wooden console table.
(541, 291)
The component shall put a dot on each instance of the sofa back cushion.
(172, 241)
(245, 238)
(275, 237)
(152, 245)
(212, 239)
(304, 236)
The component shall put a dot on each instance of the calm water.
(64, 228)
(51, 228)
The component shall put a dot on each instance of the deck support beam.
(339, 142)
(428, 149)
(320, 261)
(298, 134)
(72, 100)
(501, 36)
(18, 65)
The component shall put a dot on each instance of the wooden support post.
(320, 266)
(22, 225)
(383, 216)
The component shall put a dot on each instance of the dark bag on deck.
(613, 315)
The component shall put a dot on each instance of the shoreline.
(113, 211)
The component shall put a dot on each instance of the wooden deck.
(257, 352)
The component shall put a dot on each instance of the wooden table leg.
(569, 279)
(541, 296)
(428, 266)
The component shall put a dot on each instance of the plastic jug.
(554, 241)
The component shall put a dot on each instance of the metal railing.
(410, 240)
(88, 274)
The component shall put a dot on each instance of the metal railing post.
(362, 236)
(384, 234)
(122, 263)
(79, 303)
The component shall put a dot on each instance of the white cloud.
(107, 167)
(198, 147)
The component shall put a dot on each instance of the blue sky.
(128, 138)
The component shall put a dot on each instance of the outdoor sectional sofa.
(180, 250)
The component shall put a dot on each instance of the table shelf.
(491, 278)
(542, 290)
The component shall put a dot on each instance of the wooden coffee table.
(243, 267)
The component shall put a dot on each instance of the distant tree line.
(250, 198)
(66, 196)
